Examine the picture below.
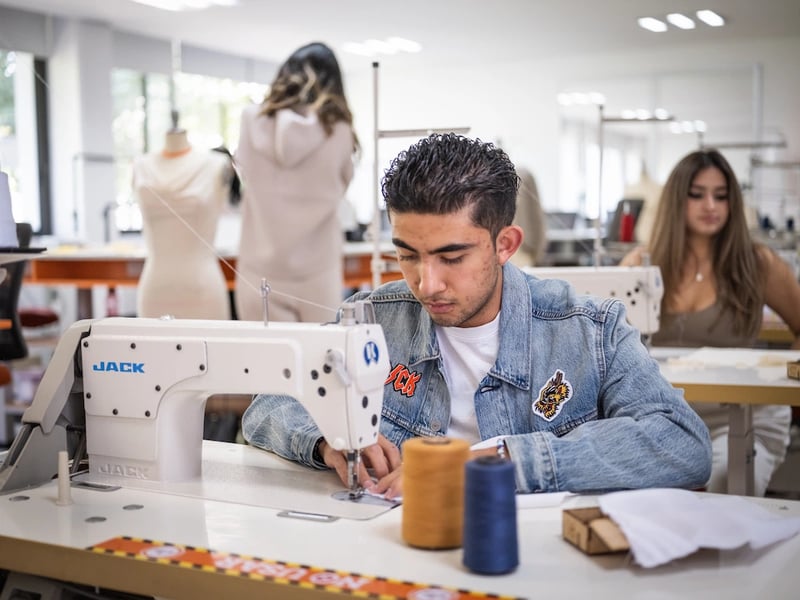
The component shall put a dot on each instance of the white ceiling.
(450, 31)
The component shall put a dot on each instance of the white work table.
(739, 378)
(39, 537)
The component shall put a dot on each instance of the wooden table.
(740, 378)
(121, 265)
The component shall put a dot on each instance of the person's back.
(530, 217)
(181, 197)
(295, 162)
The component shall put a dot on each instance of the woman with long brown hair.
(717, 280)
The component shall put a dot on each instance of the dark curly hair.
(443, 173)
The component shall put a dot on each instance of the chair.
(12, 342)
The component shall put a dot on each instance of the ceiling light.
(680, 21)
(404, 45)
(177, 5)
(380, 47)
(710, 18)
(391, 45)
(652, 24)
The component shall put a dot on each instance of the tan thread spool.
(433, 492)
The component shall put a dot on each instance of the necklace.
(698, 275)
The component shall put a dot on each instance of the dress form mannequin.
(181, 192)
(650, 191)
(176, 142)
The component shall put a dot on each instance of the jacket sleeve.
(646, 435)
(281, 425)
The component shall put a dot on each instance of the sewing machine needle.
(353, 462)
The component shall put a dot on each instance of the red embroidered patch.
(403, 380)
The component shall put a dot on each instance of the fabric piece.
(665, 524)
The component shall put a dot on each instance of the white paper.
(664, 524)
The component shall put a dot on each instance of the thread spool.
(64, 497)
(490, 516)
(433, 492)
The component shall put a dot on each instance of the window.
(209, 109)
(22, 118)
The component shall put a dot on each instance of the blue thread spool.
(490, 516)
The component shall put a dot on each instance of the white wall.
(515, 104)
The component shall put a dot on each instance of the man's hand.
(382, 458)
(391, 485)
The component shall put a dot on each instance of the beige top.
(294, 178)
(181, 199)
(711, 326)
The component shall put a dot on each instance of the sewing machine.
(138, 387)
(640, 288)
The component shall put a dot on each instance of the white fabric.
(181, 199)
(664, 524)
(467, 354)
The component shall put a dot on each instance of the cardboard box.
(793, 369)
(592, 531)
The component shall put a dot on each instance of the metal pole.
(601, 220)
(377, 265)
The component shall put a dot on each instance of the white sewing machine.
(139, 387)
(640, 288)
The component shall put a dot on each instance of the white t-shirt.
(467, 353)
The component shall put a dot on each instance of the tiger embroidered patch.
(552, 396)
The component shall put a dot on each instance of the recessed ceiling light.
(391, 45)
(177, 5)
(652, 24)
(710, 18)
(380, 47)
(404, 45)
(680, 21)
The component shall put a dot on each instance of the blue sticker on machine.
(371, 352)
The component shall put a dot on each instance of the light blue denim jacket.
(584, 406)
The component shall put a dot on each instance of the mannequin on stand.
(182, 192)
(650, 191)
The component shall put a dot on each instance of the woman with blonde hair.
(295, 159)
(717, 280)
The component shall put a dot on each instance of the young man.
(479, 350)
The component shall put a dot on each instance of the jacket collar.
(514, 357)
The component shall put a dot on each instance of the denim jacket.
(584, 406)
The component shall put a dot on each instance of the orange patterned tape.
(281, 572)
